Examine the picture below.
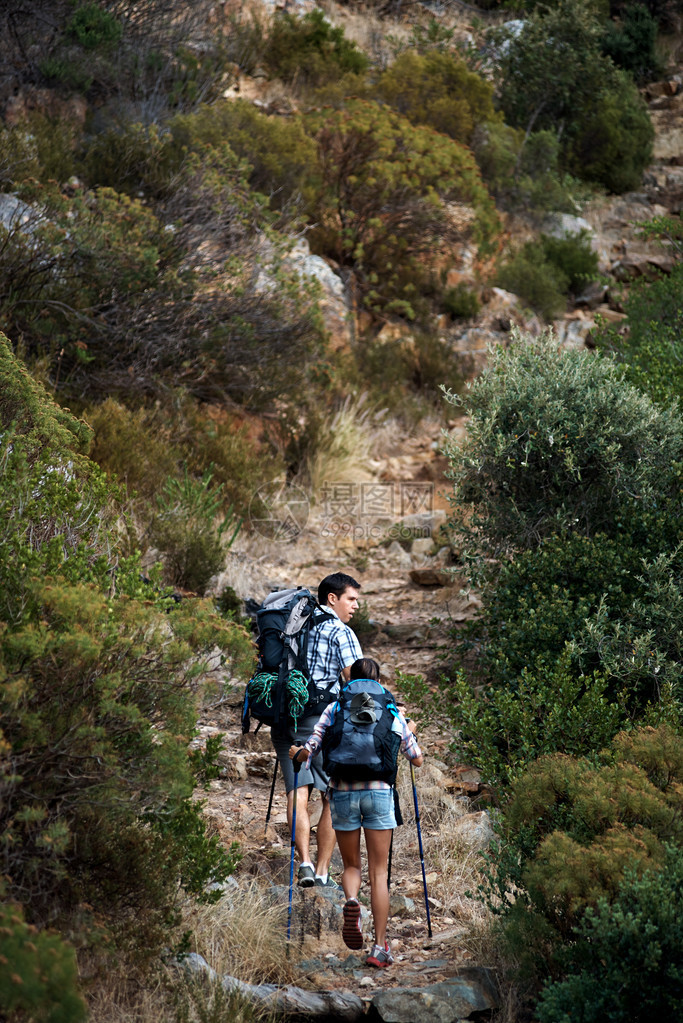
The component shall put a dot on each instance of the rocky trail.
(386, 529)
(411, 597)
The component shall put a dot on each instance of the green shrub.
(93, 27)
(573, 831)
(543, 272)
(652, 348)
(279, 152)
(187, 531)
(142, 447)
(167, 314)
(631, 43)
(640, 647)
(378, 201)
(612, 143)
(523, 172)
(558, 441)
(554, 77)
(538, 281)
(39, 975)
(62, 71)
(574, 257)
(438, 90)
(132, 158)
(101, 681)
(310, 49)
(543, 597)
(548, 708)
(624, 962)
(461, 303)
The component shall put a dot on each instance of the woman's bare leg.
(377, 844)
(349, 847)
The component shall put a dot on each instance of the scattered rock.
(467, 779)
(430, 576)
(469, 993)
(401, 906)
(474, 831)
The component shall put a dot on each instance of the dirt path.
(406, 628)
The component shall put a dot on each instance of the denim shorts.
(366, 808)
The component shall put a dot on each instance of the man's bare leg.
(326, 840)
(303, 822)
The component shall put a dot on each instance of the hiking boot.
(351, 932)
(380, 957)
(331, 885)
(305, 877)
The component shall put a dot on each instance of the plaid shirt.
(332, 646)
(409, 748)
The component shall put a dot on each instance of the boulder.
(470, 993)
(474, 831)
(564, 225)
(333, 299)
(430, 576)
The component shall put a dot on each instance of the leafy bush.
(523, 172)
(548, 708)
(572, 831)
(631, 43)
(39, 975)
(111, 302)
(612, 144)
(543, 597)
(652, 348)
(187, 531)
(99, 699)
(640, 647)
(543, 272)
(558, 441)
(142, 447)
(461, 303)
(379, 199)
(278, 151)
(538, 281)
(554, 77)
(437, 89)
(93, 27)
(310, 49)
(573, 256)
(131, 158)
(624, 962)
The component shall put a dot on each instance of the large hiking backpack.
(281, 689)
(360, 744)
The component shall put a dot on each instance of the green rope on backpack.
(297, 689)
(261, 688)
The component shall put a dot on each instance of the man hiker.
(332, 649)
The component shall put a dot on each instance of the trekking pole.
(270, 801)
(419, 842)
(391, 849)
(297, 767)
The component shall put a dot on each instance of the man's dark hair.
(335, 583)
(365, 667)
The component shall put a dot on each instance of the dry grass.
(458, 867)
(349, 448)
(244, 936)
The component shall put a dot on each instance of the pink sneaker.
(380, 957)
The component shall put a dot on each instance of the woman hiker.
(364, 731)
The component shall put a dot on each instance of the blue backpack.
(361, 744)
